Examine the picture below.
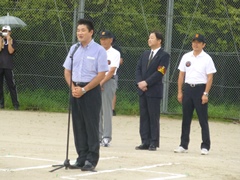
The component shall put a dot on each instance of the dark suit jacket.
(153, 73)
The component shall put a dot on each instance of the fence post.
(167, 47)
(79, 14)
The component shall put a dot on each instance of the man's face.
(153, 42)
(106, 42)
(83, 34)
(197, 46)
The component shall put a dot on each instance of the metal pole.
(78, 14)
(74, 28)
(81, 9)
(167, 47)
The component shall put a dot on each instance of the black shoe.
(77, 165)
(88, 166)
(114, 113)
(152, 148)
(142, 147)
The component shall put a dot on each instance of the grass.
(127, 104)
(41, 100)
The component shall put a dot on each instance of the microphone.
(75, 49)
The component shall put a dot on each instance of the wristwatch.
(84, 91)
(205, 93)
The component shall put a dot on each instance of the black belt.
(81, 84)
(194, 85)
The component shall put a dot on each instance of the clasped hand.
(142, 85)
(77, 92)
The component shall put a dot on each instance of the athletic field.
(31, 142)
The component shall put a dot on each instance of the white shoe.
(105, 142)
(180, 149)
(204, 151)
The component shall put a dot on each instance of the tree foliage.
(219, 20)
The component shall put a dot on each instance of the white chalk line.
(26, 168)
(142, 169)
(37, 159)
(73, 177)
(29, 158)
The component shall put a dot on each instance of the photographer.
(7, 49)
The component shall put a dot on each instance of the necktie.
(150, 58)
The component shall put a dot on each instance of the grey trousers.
(105, 124)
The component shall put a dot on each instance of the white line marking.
(91, 173)
(172, 175)
(38, 159)
(153, 166)
(106, 158)
(23, 157)
(26, 168)
(73, 177)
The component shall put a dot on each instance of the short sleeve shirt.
(113, 57)
(87, 61)
(196, 68)
(6, 59)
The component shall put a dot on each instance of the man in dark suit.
(150, 70)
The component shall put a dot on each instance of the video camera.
(3, 34)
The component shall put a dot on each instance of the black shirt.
(6, 59)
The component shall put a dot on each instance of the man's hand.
(77, 92)
(180, 97)
(142, 85)
(9, 38)
(204, 99)
(101, 85)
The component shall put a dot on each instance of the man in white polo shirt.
(108, 85)
(197, 69)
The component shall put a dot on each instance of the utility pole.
(168, 42)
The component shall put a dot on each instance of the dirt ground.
(31, 142)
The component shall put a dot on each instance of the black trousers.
(149, 120)
(85, 118)
(8, 75)
(192, 99)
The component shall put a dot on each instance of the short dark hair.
(158, 35)
(86, 22)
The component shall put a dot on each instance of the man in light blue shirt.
(85, 67)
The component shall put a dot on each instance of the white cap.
(6, 27)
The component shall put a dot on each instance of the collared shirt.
(88, 61)
(113, 57)
(155, 51)
(196, 68)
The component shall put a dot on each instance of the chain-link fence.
(51, 25)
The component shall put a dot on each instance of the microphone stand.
(66, 163)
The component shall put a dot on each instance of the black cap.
(106, 34)
(199, 38)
